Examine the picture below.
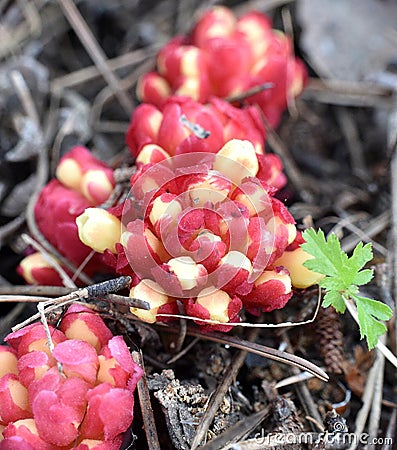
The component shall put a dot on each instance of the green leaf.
(363, 277)
(369, 311)
(332, 284)
(361, 255)
(333, 298)
(373, 307)
(327, 255)
(343, 276)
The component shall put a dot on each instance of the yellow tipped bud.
(237, 153)
(69, 173)
(99, 229)
(96, 186)
(216, 302)
(151, 153)
(152, 293)
(237, 260)
(301, 277)
(187, 271)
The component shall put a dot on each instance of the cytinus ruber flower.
(83, 181)
(79, 395)
(225, 56)
(202, 232)
(182, 125)
(81, 171)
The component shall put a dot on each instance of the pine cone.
(328, 328)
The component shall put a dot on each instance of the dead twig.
(95, 51)
(95, 290)
(146, 409)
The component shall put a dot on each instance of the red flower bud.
(78, 359)
(258, 30)
(116, 366)
(109, 412)
(185, 69)
(240, 152)
(159, 302)
(217, 22)
(23, 435)
(153, 88)
(214, 304)
(95, 444)
(272, 290)
(33, 338)
(180, 274)
(182, 125)
(84, 324)
(151, 154)
(56, 211)
(144, 127)
(301, 277)
(14, 402)
(81, 171)
(36, 270)
(99, 229)
(233, 274)
(8, 360)
(203, 64)
(58, 406)
(32, 366)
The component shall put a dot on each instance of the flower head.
(87, 404)
(82, 182)
(224, 56)
(202, 232)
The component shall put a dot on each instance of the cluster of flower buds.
(183, 125)
(79, 395)
(226, 57)
(203, 231)
(82, 181)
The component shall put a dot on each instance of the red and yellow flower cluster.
(82, 181)
(203, 232)
(79, 395)
(225, 57)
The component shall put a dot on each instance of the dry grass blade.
(258, 349)
(90, 73)
(147, 412)
(95, 51)
(347, 93)
(391, 431)
(237, 431)
(218, 396)
(374, 418)
(367, 400)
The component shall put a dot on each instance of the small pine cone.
(328, 328)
